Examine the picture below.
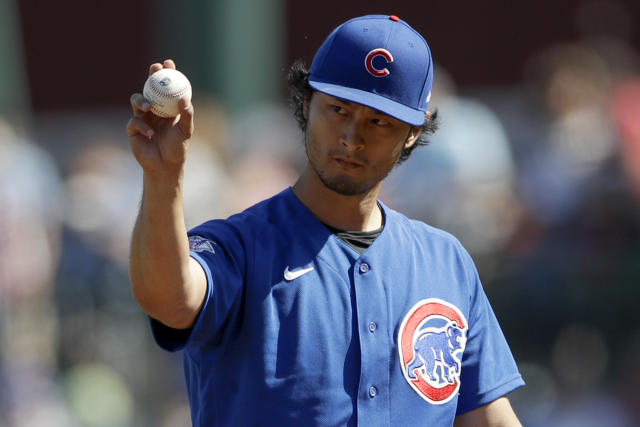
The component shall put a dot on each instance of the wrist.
(164, 183)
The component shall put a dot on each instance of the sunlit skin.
(351, 149)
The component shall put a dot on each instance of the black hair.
(301, 91)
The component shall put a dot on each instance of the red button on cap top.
(394, 18)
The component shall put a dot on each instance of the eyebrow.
(349, 103)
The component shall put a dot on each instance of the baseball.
(163, 89)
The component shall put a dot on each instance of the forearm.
(159, 266)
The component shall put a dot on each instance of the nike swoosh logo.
(291, 275)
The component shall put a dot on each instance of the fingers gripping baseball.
(185, 117)
(162, 120)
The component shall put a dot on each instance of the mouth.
(348, 163)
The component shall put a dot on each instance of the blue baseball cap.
(378, 61)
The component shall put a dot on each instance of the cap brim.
(377, 102)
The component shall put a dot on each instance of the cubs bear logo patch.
(431, 340)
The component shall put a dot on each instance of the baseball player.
(322, 305)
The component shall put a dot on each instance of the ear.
(412, 138)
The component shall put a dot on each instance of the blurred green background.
(536, 169)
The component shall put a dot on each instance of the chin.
(346, 187)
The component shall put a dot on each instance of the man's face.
(352, 147)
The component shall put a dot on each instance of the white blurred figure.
(575, 81)
(30, 196)
(104, 182)
(206, 180)
(267, 154)
(465, 175)
(102, 194)
(103, 189)
(30, 213)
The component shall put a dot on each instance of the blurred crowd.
(540, 181)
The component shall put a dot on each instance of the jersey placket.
(373, 390)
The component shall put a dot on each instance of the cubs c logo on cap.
(368, 62)
(431, 340)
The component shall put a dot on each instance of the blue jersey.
(298, 328)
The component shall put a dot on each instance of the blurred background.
(536, 169)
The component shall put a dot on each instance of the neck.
(354, 213)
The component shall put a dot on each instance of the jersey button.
(373, 392)
(364, 267)
(372, 327)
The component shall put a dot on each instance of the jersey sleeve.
(220, 253)
(489, 370)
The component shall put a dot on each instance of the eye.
(339, 110)
(380, 121)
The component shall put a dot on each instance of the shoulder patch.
(200, 244)
(431, 340)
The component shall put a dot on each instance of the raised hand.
(159, 144)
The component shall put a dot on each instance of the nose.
(352, 135)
